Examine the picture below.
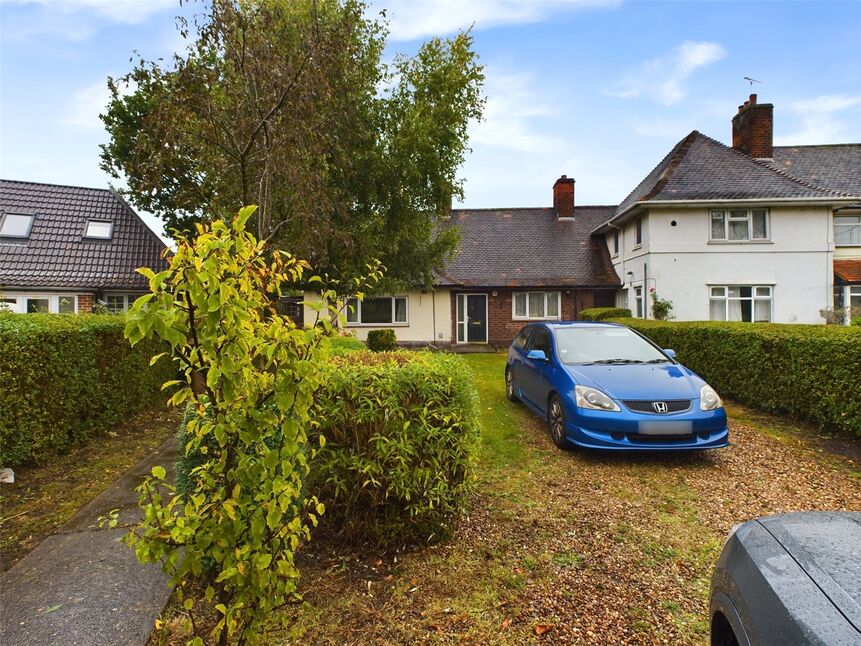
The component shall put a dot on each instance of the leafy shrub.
(807, 371)
(402, 432)
(382, 340)
(251, 376)
(66, 378)
(855, 321)
(603, 313)
(661, 307)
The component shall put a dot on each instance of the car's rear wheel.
(556, 420)
(509, 386)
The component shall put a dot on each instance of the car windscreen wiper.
(620, 361)
(658, 361)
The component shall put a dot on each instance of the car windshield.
(605, 344)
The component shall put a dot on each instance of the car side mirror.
(670, 353)
(536, 355)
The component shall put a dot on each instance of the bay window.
(739, 225)
(385, 310)
(535, 305)
(740, 303)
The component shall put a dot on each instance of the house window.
(40, 303)
(740, 303)
(387, 310)
(616, 242)
(535, 305)
(116, 303)
(639, 231)
(67, 304)
(847, 230)
(16, 225)
(739, 225)
(100, 229)
(638, 298)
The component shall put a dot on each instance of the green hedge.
(341, 345)
(402, 433)
(382, 340)
(64, 378)
(401, 437)
(603, 313)
(811, 372)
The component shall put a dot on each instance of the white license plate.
(680, 427)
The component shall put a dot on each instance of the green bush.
(603, 313)
(402, 433)
(856, 320)
(341, 345)
(382, 340)
(64, 378)
(807, 371)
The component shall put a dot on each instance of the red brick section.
(753, 129)
(563, 197)
(85, 303)
(502, 328)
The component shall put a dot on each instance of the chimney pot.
(752, 100)
(563, 197)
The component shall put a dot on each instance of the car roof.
(563, 324)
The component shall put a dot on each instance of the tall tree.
(289, 106)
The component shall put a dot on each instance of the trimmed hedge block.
(603, 313)
(810, 372)
(402, 433)
(66, 377)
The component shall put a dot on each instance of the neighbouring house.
(64, 248)
(752, 232)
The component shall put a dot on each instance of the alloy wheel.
(557, 421)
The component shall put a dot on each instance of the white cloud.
(88, 103)
(124, 11)
(513, 105)
(411, 19)
(663, 79)
(830, 118)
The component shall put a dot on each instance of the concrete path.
(81, 585)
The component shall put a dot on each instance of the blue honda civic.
(605, 386)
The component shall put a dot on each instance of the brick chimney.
(753, 129)
(563, 197)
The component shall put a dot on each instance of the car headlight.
(709, 399)
(594, 399)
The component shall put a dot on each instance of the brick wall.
(752, 129)
(85, 303)
(502, 328)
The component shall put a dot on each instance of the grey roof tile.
(835, 166)
(56, 255)
(529, 247)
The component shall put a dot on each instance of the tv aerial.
(751, 81)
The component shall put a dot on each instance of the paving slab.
(82, 585)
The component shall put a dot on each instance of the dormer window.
(16, 225)
(99, 229)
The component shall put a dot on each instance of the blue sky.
(599, 90)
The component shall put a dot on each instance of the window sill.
(637, 246)
(730, 242)
(378, 324)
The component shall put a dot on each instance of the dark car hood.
(827, 545)
(639, 381)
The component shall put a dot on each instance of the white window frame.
(20, 301)
(616, 245)
(128, 300)
(4, 217)
(753, 298)
(848, 291)
(516, 317)
(854, 230)
(90, 236)
(354, 309)
(638, 232)
(639, 310)
(732, 215)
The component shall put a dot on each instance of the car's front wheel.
(556, 420)
(509, 386)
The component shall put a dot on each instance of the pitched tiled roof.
(848, 271)
(57, 255)
(836, 166)
(700, 168)
(529, 248)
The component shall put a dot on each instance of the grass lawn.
(569, 547)
(44, 497)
